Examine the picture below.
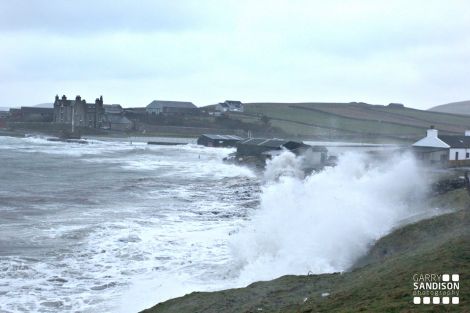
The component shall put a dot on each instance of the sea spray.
(319, 223)
(286, 164)
(324, 222)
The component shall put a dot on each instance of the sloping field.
(317, 119)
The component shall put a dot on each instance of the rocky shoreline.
(381, 281)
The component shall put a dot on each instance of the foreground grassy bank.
(382, 281)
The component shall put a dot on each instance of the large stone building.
(82, 114)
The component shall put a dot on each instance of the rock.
(53, 304)
(130, 238)
(105, 286)
(57, 280)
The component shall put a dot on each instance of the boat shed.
(210, 140)
(260, 146)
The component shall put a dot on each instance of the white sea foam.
(286, 164)
(325, 222)
(163, 226)
(319, 224)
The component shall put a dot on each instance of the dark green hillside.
(352, 120)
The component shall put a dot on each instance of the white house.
(450, 149)
(230, 106)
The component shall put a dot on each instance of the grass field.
(352, 119)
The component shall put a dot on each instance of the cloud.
(205, 51)
(91, 16)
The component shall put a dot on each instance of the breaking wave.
(325, 222)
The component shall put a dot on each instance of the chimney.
(78, 98)
(432, 133)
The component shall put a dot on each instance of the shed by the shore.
(258, 146)
(210, 140)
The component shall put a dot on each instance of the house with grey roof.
(117, 122)
(170, 107)
(230, 106)
(115, 119)
(453, 150)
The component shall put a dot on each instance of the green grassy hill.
(382, 281)
(352, 120)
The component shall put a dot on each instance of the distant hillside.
(44, 105)
(352, 120)
(462, 107)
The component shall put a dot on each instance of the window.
(467, 155)
(456, 155)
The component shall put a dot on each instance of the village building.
(256, 151)
(268, 148)
(451, 150)
(115, 119)
(32, 114)
(209, 140)
(158, 107)
(258, 146)
(113, 109)
(230, 106)
(4, 115)
(79, 112)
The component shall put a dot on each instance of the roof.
(431, 140)
(135, 110)
(156, 104)
(456, 141)
(273, 143)
(112, 108)
(36, 110)
(233, 102)
(117, 119)
(222, 137)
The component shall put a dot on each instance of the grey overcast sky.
(205, 51)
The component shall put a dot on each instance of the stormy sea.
(115, 226)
